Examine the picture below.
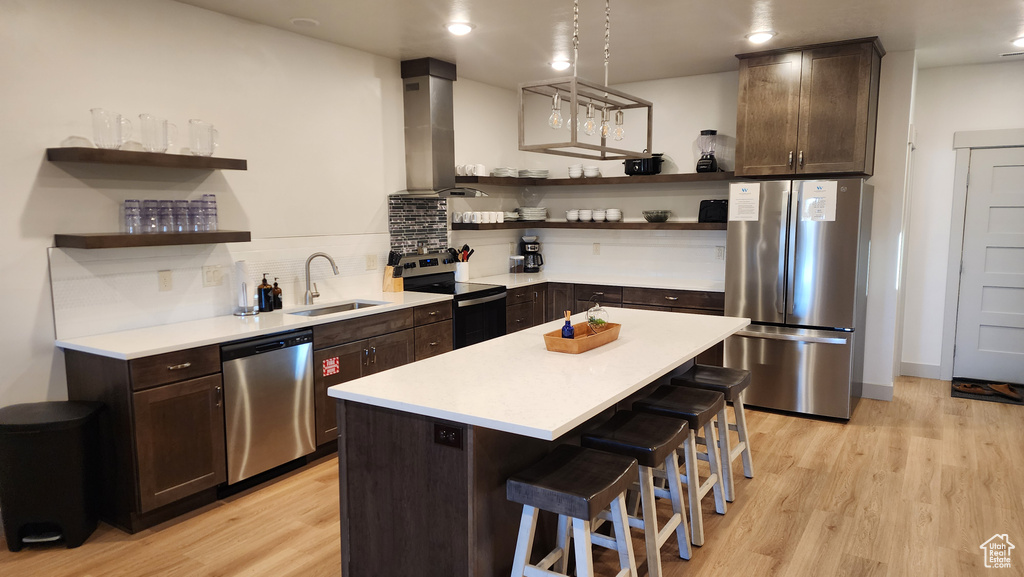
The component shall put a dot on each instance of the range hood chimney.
(430, 129)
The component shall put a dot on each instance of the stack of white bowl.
(591, 171)
(575, 171)
(613, 215)
(572, 215)
(599, 215)
(534, 213)
(586, 215)
(533, 173)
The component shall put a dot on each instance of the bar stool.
(698, 408)
(731, 383)
(577, 484)
(651, 440)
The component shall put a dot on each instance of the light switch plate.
(164, 281)
(371, 262)
(212, 276)
(719, 253)
(597, 248)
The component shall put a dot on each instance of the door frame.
(963, 143)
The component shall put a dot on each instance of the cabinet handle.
(373, 359)
(801, 161)
(790, 163)
(433, 344)
(672, 298)
(366, 357)
(432, 313)
(179, 367)
(599, 294)
(220, 395)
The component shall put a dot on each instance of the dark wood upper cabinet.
(809, 110)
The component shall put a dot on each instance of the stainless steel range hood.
(430, 130)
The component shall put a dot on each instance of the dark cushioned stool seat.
(729, 382)
(696, 406)
(573, 481)
(648, 438)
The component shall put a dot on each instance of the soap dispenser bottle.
(278, 296)
(265, 294)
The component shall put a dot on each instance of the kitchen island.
(425, 449)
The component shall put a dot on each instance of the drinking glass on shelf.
(110, 129)
(157, 134)
(197, 215)
(210, 210)
(165, 216)
(202, 137)
(132, 216)
(150, 209)
(181, 220)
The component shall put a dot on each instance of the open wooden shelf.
(520, 224)
(132, 158)
(600, 181)
(123, 240)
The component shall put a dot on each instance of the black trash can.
(49, 471)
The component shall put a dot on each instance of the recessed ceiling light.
(305, 22)
(560, 64)
(1019, 43)
(460, 28)
(761, 36)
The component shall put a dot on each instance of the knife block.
(392, 284)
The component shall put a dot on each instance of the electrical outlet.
(719, 253)
(371, 262)
(448, 435)
(212, 276)
(597, 248)
(164, 282)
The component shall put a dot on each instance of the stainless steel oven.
(478, 310)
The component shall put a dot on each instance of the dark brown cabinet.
(560, 298)
(680, 301)
(526, 307)
(809, 110)
(179, 436)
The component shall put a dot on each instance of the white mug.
(481, 170)
(476, 217)
(500, 216)
(456, 217)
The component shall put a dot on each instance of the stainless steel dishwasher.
(268, 402)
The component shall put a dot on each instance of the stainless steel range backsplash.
(417, 220)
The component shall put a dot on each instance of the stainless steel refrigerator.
(799, 272)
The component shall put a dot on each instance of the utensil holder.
(392, 284)
(462, 272)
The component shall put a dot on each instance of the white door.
(990, 310)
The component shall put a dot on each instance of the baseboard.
(877, 392)
(919, 370)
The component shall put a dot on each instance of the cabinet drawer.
(674, 298)
(433, 339)
(518, 317)
(361, 328)
(172, 367)
(599, 292)
(426, 314)
(522, 294)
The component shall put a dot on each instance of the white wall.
(321, 126)
(949, 99)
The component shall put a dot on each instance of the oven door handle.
(481, 300)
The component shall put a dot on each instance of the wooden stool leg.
(725, 454)
(650, 514)
(676, 491)
(524, 544)
(562, 542)
(741, 429)
(584, 548)
(623, 540)
(716, 468)
(693, 490)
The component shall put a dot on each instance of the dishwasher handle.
(260, 345)
(266, 348)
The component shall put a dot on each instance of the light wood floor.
(911, 487)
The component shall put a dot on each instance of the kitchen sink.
(337, 308)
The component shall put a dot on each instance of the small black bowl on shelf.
(656, 215)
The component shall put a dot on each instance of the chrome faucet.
(312, 294)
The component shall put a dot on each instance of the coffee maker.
(530, 249)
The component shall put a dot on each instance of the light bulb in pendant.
(555, 120)
(619, 131)
(590, 124)
(606, 129)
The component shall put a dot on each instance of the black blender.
(706, 143)
(532, 260)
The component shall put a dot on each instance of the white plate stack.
(613, 215)
(505, 172)
(511, 215)
(532, 173)
(533, 213)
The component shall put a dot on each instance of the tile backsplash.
(100, 291)
(412, 221)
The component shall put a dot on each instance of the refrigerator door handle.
(792, 337)
(780, 286)
(794, 222)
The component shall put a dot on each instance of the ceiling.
(513, 41)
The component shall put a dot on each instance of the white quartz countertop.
(678, 283)
(514, 384)
(136, 343)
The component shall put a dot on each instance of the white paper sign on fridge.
(818, 200)
(744, 200)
